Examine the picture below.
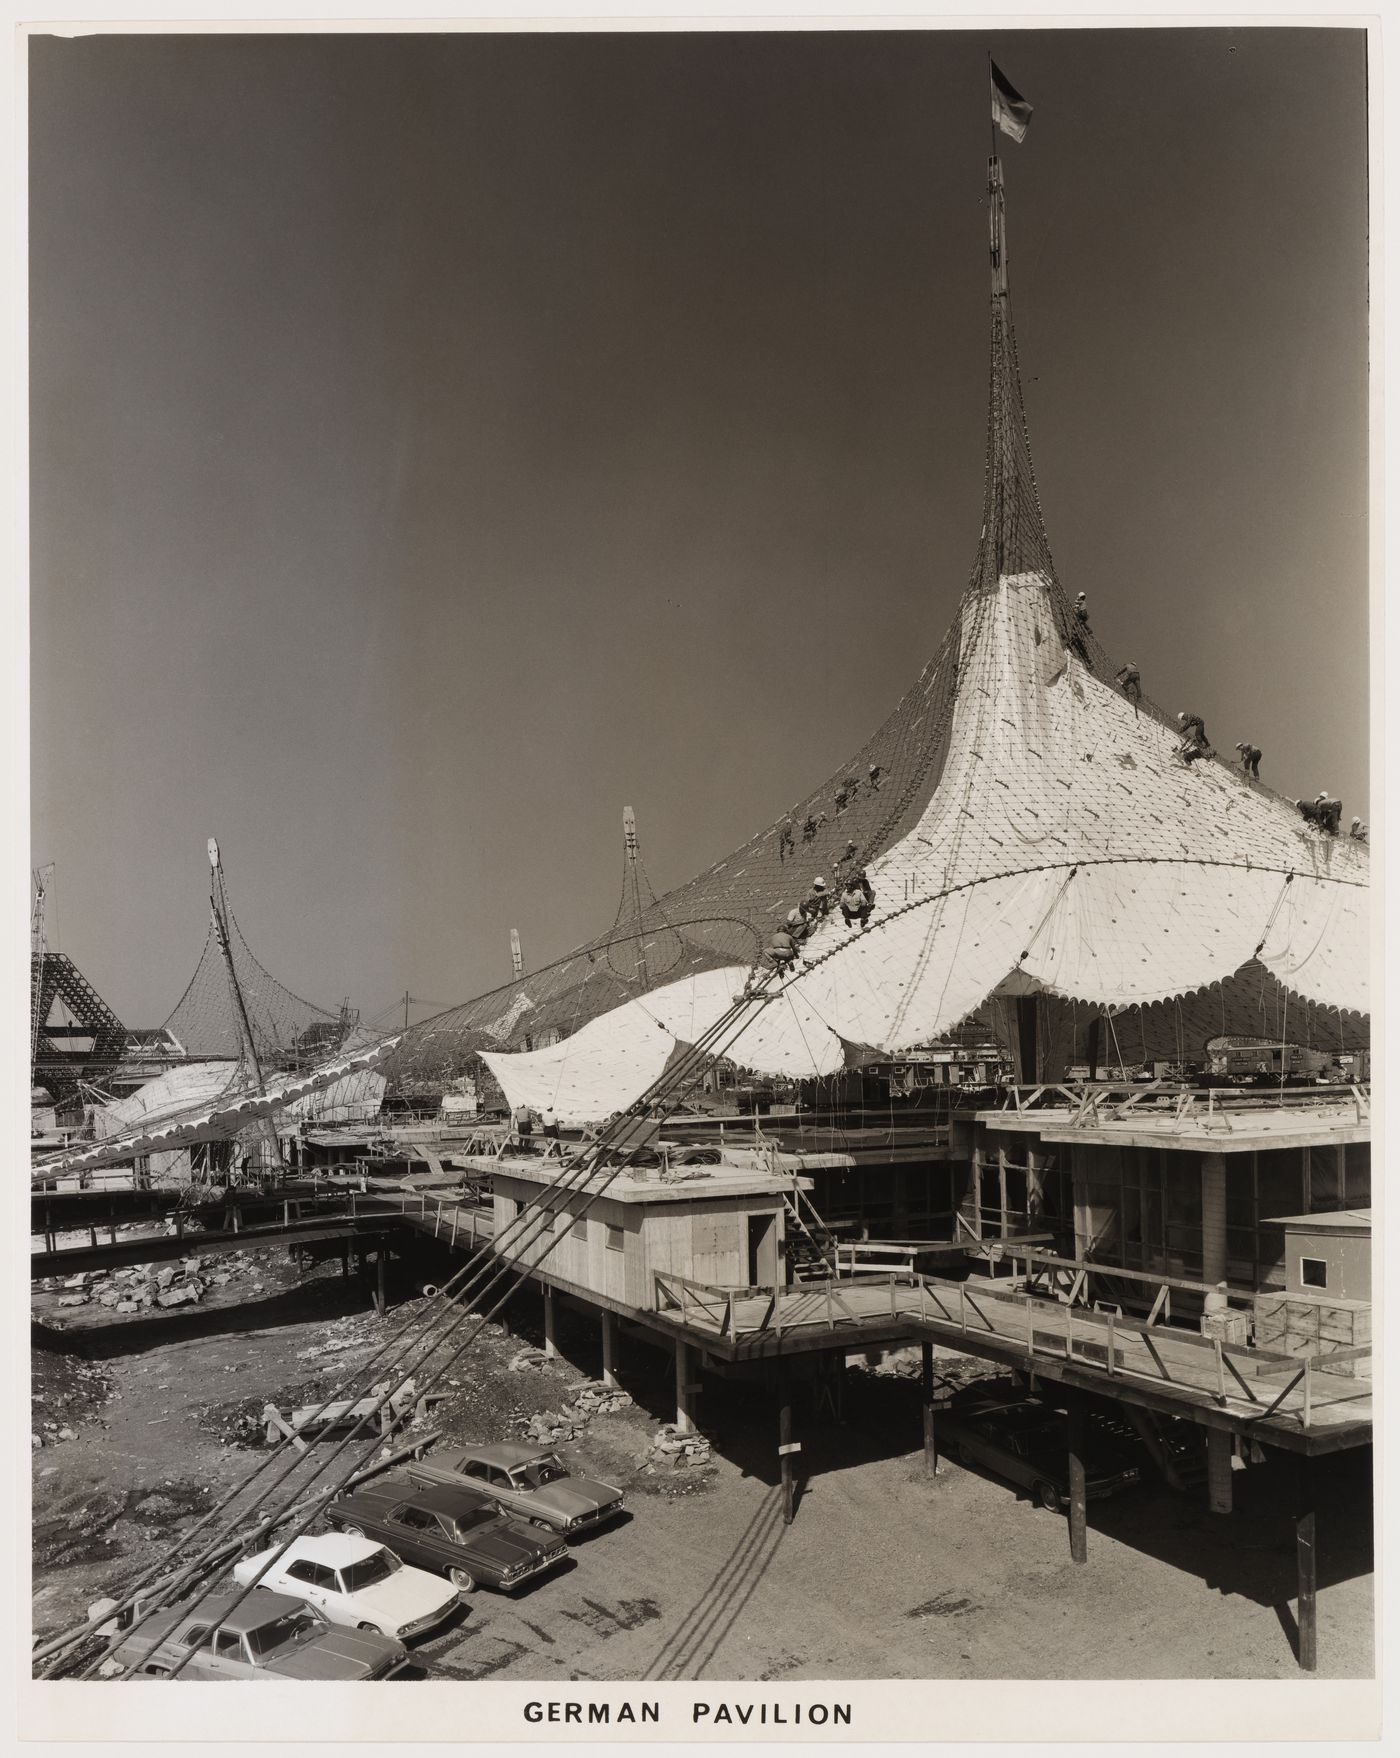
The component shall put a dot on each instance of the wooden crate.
(1313, 1324)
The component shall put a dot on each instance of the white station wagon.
(356, 1582)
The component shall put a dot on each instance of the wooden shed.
(723, 1226)
(1327, 1254)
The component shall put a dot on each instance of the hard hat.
(1356, 820)
(1181, 714)
(819, 884)
(1323, 794)
(1079, 595)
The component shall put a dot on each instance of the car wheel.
(353, 1531)
(544, 1525)
(462, 1580)
(1049, 1497)
(373, 1629)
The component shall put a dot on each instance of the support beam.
(1213, 1218)
(1306, 1540)
(380, 1296)
(551, 1348)
(785, 1456)
(1220, 1476)
(608, 1319)
(685, 1419)
(1078, 1496)
(930, 1443)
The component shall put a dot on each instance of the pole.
(1306, 1539)
(609, 1323)
(785, 1457)
(380, 1297)
(405, 1010)
(551, 1348)
(930, 1445)
(1078, 1499)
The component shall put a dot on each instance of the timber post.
(685, 1420)
(786, 1448)
(930, 1442)
(1220, 1475)
(380, 1297)
(551, 1348)
(1306, 1542)
(608, 1319)
(1078, 1497)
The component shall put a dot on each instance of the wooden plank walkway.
(1248, 1385)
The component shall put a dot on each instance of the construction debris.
(675, 1450)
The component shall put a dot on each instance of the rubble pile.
(142, 1287)
(547, 1428)
(676, 1451)
(64, 1392)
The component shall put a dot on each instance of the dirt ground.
(885, 1573)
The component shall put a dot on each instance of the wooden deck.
(1286, 1400)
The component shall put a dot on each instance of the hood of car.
(336, 1654)
(404, 1596)
(572, 1496)
(505, 1543)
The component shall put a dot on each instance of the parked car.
(1027, 1443)
(355, 1582)
(536, 1485)
(452, 1531)
(268, 1636)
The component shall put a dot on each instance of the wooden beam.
(1306, 1544)
(930, 1442)
(785, 1443)
(1078, 1495)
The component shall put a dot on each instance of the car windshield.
(542, 1471)
(296, 1626)
(475, 1517)
(377, 1567)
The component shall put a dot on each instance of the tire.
(1049, 1498)
(544, 1525)
(373, 1629)
(463, 1580)
(353, 1531)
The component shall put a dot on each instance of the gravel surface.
(885, 1572)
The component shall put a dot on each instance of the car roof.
(507, 1454)
(335, 1549)
(256, 1608)
(438, 1498)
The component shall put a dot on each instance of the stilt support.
(551, 1348)
(1220, 1476)
(380, 1296)
(1078, 1498)
(685, 1419)
(1213, 1268)
(785, 1453)
(1307, 1568)
(609, 1322)
(930, 1443)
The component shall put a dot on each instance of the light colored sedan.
(532, 1484)
(356, 1583)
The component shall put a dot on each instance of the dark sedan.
(454, 1532)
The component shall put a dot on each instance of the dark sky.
(440, 442)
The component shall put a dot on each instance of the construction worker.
(1194, 743)
(873, 775)
(817, 904)
(522, 1123)
(780, 954)
(1249, 759)
(1310, 811)
(786, 841)
(844, 860)
(843, 797)
(549, 1124)
(1329, 813)
(1358, 831)
(1129, 681)
(812, 826)
(857, 900)
(797, 925)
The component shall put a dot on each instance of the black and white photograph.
(699, 834)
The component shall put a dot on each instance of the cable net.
(287, 1032)
(1029, 826)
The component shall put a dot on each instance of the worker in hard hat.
(857, 900)
(1194, 743)
(1129, 681)
(1359, 832)
(817, 904)
(1249, 759)
(872, 775)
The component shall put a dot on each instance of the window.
(614, 1238)
(196, 1634)
(1313, 1271)
(580, 1227)
(417, 1519)
(228, 1645)
(499, 1478)
(377, 1566)
(304, 1571)
(475, 1468)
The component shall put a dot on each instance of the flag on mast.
(1010, 111)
